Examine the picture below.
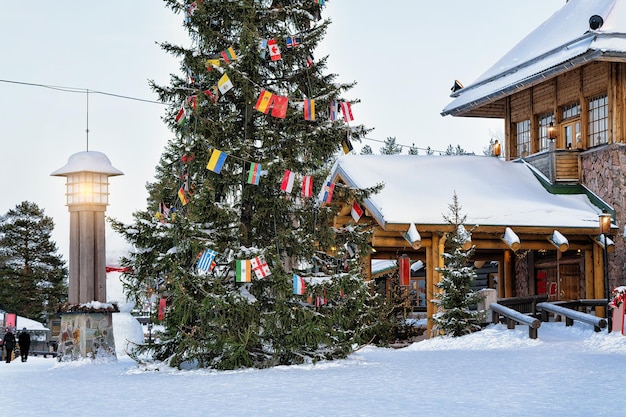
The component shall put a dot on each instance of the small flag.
(260, 268)
(347, 146)
(307, 186)
(212, 93)
(205, 261)
(162, 302)
(346, 109)
(274, 50)
(224, 84)
(279, 106)
(309, 60)
(216, 162)
(191, 79)
(192, 8)
(298, 285)
(181, 195)
(212, 63)
(263, 47)
(328, 192)
(163, 209)
(192, 101)
(309, 109)
(229, 55)
(293, 42)
(332, 110)
(254, 174)
(181, 116)
(243, 271)
(356, 212)
(320, 301)
(287, 183)
(320, 2)
(264, 102)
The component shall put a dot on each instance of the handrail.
(571, 315)
(513, 316)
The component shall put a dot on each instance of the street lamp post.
(605, 228)
(87, 192)
(86, 320)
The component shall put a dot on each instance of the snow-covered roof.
(31, 325)
(561, 42)
(87, 161)
(419, 189)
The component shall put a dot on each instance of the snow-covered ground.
(497, 372)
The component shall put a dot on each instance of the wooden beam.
(396, 242)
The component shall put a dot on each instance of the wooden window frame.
(543, 122)
(598, 120)
(522, 129)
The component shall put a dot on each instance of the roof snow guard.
(564, 41)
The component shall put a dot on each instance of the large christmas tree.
(236, 255)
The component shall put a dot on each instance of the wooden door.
(569, 282)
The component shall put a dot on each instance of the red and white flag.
(356, 212)
(307, 186)
(260, 268)
(287, 184)
(346, 110)
(274, 50)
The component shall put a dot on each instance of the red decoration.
(161, 315)
(404, 267)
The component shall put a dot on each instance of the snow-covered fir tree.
(456, 315)
(33, 278)
(242, 186)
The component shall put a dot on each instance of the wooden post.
(598, 278)
(434, 260)
(509, 274)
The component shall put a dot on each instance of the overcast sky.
(404, 56)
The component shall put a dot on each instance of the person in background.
(23, 340)
(9, 344)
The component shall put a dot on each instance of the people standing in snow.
(9, 344)
(23, 340)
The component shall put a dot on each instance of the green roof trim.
(573, 189)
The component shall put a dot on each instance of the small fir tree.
(391, 147)
(456, 315)
(366, 150)
(414, 150)
(33, 276)
(254, 102)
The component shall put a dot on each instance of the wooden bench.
(514, 316)
(571, 315)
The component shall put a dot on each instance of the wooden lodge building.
(535, 209)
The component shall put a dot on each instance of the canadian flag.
(274, 49)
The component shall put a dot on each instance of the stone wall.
(603, 173)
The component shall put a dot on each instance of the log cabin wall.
(550, 96)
